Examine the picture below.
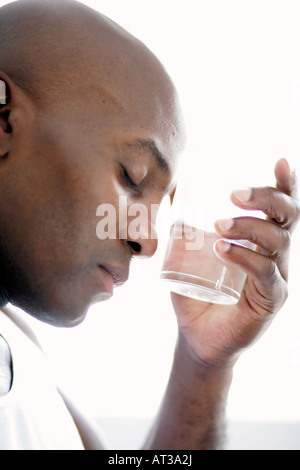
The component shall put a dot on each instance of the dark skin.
(70, 157)
(63, 149)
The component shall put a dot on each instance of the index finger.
(286, 179)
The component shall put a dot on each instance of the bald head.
(54, 48)
(50, 44)
(91, 116)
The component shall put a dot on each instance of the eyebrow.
(145, 145)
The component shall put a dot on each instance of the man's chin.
(60, 316)
(101, 297)
(58, 319)
(60, 311)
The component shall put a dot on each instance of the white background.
(236, 65)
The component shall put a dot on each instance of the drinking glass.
(191, 267)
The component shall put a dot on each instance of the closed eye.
(128, 181)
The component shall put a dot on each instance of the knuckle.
(270, 191)
(286, 239)
(270, 271)
(269, 195)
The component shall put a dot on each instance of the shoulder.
(5, 367)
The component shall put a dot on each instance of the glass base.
(198, 288)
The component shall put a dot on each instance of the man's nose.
(140, 231)
(145, 245)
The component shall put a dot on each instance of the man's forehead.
(146, 118)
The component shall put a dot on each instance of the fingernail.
(222, 246)
(225, 224)
(243, 194)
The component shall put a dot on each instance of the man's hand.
(211, 337)
(215, 335)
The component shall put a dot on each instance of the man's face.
(76, 158)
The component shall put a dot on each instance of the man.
(89, 116)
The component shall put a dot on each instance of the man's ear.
(16, 113)
(5, 126)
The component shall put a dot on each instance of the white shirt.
(33, 415)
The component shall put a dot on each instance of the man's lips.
(119, 274)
